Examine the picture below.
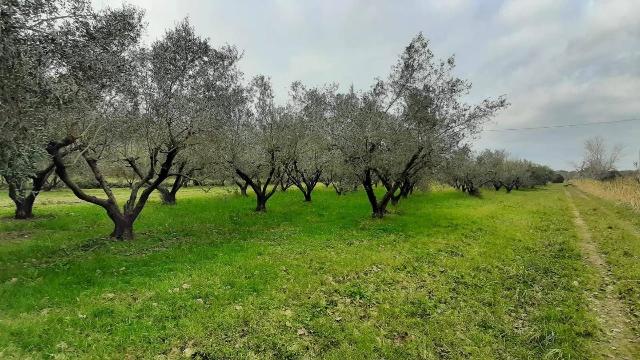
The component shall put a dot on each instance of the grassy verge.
(616, 230)
(444, 276)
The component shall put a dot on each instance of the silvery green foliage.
(26, 36)
(408, 123)
(468, 171)
(496, 163)
(250, 141)
(29, 43)
(178, 94)
(95, 76)
(33, 38)
(307, 146)
(186, 84)
(146, 113)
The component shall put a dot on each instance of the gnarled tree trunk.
(122, 225)
(124, 219)
(262, 191)
(243, 185)
(378, 208)
(304, 182)
(24, 199)
(261, 202)
(24, 208)
(168, 197)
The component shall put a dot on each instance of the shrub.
(557, 178)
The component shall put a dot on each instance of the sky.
(558, 62)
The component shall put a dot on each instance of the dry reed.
(624, 190)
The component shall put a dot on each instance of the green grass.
(445, 276)
(615, 228)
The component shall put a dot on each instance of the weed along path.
(620, 341)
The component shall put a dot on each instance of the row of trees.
(469, 172)
(82, 97)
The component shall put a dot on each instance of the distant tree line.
(469, 172)
(82, 98)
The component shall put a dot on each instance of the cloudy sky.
(558, 62)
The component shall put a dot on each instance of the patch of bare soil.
(620, 342)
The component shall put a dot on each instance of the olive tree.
(403, 127)
(146, 119)
(31, 42)
(251, 137)
(307, 147)
(185, 170)
(494, 161)
(339, 175)
(468, 172)
(538, 175)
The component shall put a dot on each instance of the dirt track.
(620, 340)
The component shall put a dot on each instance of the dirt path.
(623, 224)
(620, 340)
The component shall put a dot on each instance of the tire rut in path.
(620, 341)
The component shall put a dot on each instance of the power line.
(563, 126)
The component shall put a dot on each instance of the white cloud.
(519, 12)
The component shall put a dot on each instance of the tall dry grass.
(624, 190)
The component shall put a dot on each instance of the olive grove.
(83, 98)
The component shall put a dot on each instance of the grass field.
(445, 276)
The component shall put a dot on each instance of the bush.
(557, 178)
